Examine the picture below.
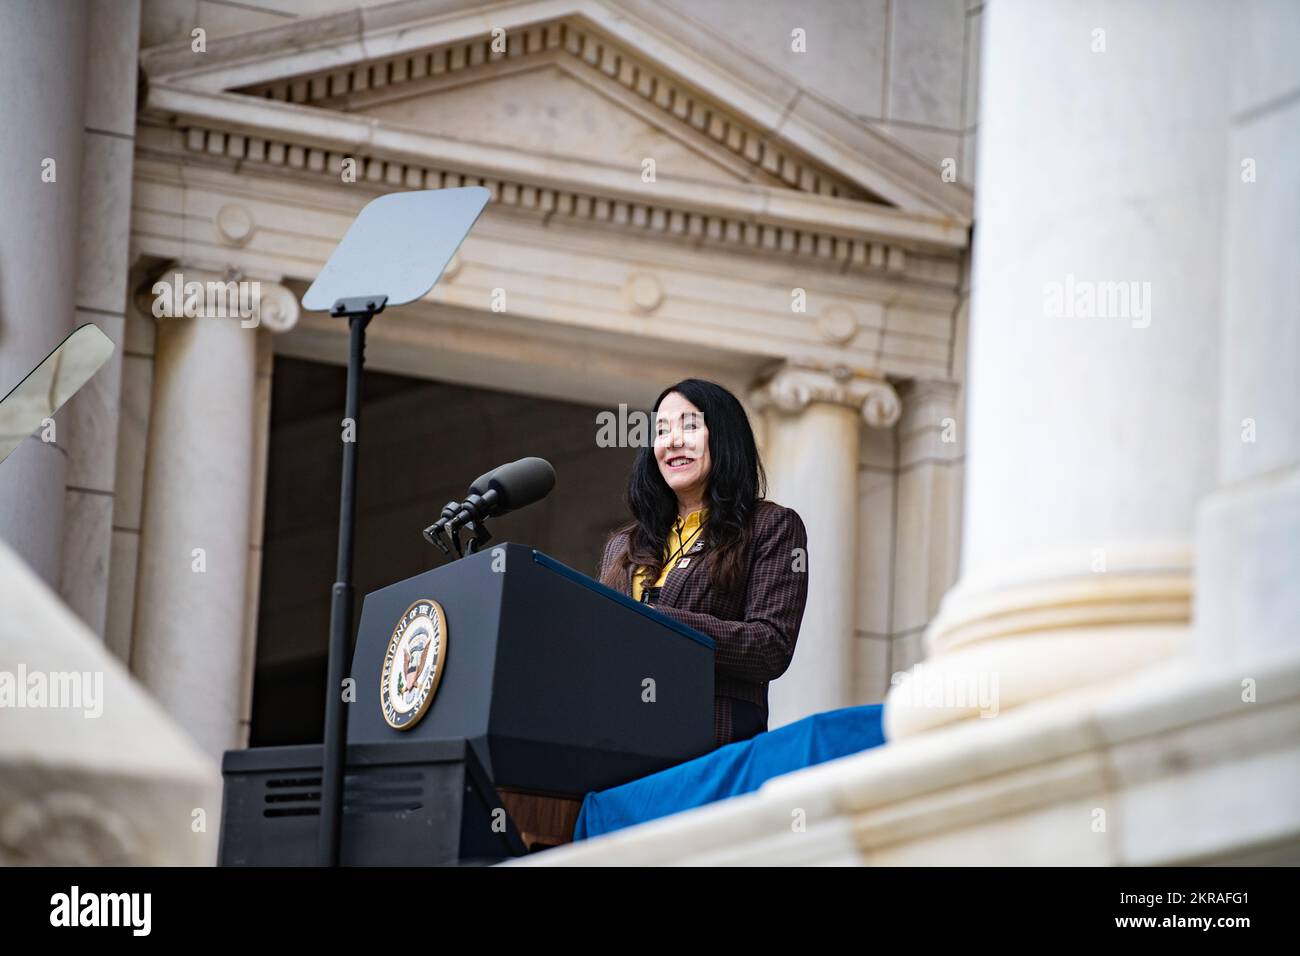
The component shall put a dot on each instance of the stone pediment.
(560, 89)
(424, 95)
(548, 108)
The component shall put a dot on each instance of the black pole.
(336, 715)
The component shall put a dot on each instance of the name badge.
(683, 562)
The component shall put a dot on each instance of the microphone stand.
(481, 535)
(473, 520)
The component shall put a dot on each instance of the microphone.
(431, 533)
(520, 484)
(510, 487)
(480, 484)
(452, 508)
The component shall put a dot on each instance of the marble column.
(189, 645)
(102, 269)
(43, 60)
(1093, 354)
(1248, 532)
(926, 515)
(257, 521)
(814, 417)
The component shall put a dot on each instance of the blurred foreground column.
(1248, 532)
(1094, 353)
(43, 66)
(92, 772)
(814, 422)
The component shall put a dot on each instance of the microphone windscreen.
(481, 484)
(523, 482)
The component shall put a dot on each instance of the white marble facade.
(803, 240)
(839, 177)
(771, 185)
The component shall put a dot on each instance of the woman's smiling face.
(682, 447)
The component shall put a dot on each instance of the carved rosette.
(793, 388)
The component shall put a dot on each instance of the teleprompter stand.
(393, 253)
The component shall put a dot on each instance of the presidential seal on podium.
(413, 664)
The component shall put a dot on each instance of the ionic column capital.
(197, 292)
(793, 387)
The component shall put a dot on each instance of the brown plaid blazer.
(754, 628)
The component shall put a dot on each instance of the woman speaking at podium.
(706, 548)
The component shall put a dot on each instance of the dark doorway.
(422, 442)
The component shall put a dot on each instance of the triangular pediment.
(547, 108)
(555, 88)
(560, 103)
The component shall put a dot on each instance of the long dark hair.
(736, 482)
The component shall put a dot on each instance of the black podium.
(547, 684)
